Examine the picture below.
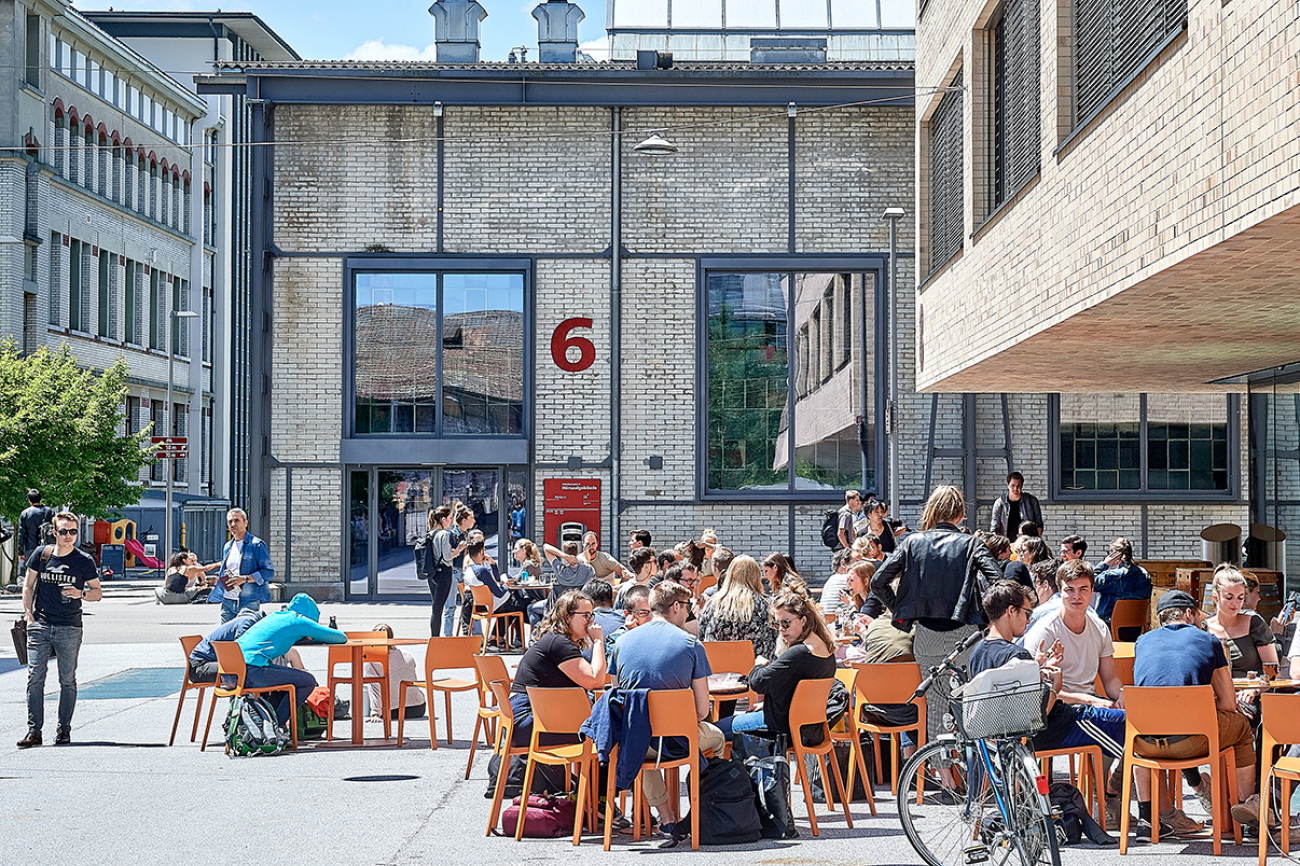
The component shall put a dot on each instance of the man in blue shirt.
(1120, 579)
(662, 655)
(203, 659)
(272, 637)
(246, 569)
(1180, 653)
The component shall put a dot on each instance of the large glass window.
(76, 274)
(762, 438)
(439, 353)
(1145, 443)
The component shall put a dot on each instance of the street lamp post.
(176, 316)
(893, 215)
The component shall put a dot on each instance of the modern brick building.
(1109, 209)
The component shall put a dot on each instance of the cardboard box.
(1163, 571)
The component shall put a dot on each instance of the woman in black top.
(811, 656)
(555, 661)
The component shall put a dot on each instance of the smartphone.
(1288, 610)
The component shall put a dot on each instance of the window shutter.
(946, 201)
(1016, 107)
(1113, 39)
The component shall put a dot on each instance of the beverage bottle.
(334, 624)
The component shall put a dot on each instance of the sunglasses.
(784, 623)
(66, 531)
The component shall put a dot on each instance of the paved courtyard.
(119, 795)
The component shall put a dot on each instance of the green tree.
(59, 432)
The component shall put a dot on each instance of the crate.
(1163, 571)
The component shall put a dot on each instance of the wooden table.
(1277, 685)
(358, 646)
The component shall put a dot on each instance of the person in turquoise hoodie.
(272, 637)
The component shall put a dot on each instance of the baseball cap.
(1175, 600)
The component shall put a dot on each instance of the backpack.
(252, 728)
(47, 533)
(769, 773)
(421, 551)
(548, 816)
(831, 529)
(728, 807)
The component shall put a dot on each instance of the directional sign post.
(171, 447)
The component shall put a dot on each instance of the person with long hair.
(184, 578)
(776, 568)
(810, 655)
(555, 661)
(941, 573)
(401, 668)
(1245, 636)
(740, 611)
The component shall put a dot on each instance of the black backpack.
(421, 550)
(831, 529)
(728, 807)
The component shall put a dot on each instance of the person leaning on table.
(273, 636)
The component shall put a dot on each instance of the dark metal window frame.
(876, 265)
(433, 448)
(1233, 495)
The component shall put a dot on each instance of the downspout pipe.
(615, 330)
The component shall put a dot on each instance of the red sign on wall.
(572, 505)
(562, 341)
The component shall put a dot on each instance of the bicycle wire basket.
(1012, 711)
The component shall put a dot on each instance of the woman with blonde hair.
(1245, 635)
(739, 611)
(941, 572)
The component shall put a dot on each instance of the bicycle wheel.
(1032, 829)
(947, 822)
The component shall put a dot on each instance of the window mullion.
(791, 365)
(437, 388)
(1142, 439)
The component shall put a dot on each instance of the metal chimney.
(557, 31)
(455, 30)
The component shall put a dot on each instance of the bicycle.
(990, 800)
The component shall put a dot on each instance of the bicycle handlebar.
(946, 664)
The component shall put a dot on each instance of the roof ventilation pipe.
(557, 31)
(455, 30)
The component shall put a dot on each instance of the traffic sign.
(171, 447)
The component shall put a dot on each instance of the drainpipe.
(615, 330)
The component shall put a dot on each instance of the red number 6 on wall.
(561, 343)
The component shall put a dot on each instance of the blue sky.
(335, 29)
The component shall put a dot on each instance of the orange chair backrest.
(730, 656)
(1171, 710)
(808, 707)
(1124, 669)
(672, 714)
(230, 660)
(482, 599)
(1129, 613)
(559, 711)
(446, 653)
(707, 581)
(888, 683)
(188, 643)
(1280, 715)
(502, 692)
(489, 670)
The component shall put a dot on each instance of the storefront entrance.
(388, 511)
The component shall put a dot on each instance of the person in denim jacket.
(1121, 578)
(246, 569)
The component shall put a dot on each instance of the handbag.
(19, 632)
(548, 816)
(769, 773)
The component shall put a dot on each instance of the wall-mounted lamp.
(656, 145)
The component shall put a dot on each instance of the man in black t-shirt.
(59, 579)
(34, 516)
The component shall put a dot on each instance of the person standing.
(849, 515)
(440, 553)
(1015, 508)
(59, 579)
(34, 516)
(246, 569)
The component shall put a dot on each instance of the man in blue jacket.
(246, 569)
(273, 636)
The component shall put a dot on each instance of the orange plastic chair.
(562, 711)
(707, 581)
(848, 731)
(1090, 766)
(487, 669)
(441, 653)
(483, 614)
(672, 714)
(501, 691)
(188, 643)
(889, 683)
(808, 707)
(230, 661)
(342, 655)
(732, 657)
(1280, 725)
(1171, 710)
(1130, 613)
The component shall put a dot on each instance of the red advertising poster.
(572, 507)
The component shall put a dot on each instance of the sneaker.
(668, 829)
(1247, 812)
(1176, 823)
(33, 738)
(1113, 813)
(63, 738)
(1205, 794)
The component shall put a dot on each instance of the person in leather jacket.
(941, 571)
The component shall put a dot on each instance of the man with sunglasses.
(59, 579)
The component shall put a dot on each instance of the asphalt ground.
(120, 795)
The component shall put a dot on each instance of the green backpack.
(252, 728)
(311, 724)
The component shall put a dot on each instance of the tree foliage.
(59, 432)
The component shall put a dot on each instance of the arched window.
(102, 172)
(88, 154)
(164, 194)
(73, 146)
(187, 204)
(59, 137)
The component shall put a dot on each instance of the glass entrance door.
(389, 511)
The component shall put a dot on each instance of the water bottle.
(334, 624)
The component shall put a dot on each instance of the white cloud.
(378, 49)
(597, 48)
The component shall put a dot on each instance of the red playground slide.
(136, 549)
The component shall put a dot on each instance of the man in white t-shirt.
(1085, 639)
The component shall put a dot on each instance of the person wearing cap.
(1180, 653)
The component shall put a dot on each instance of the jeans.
(64, 643)
(450, 611)
(742, 723)
(440, 592)
(261, 676)
(231, 606)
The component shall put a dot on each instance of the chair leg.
(499, 794)
(293, 716)
(1229, 765)
(583, 812)
(198, 711)
(609, 797)
(388, 710)
(1126, 791)
(329, 720)
(180, 704)
(473, 744)
(1098, 789)
(433, 721)
(447, 695)
(523, 799)
(212, 708)
(807, 790)
(1285, 808)
(401, 725)
(861, 764)
(839, 783)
